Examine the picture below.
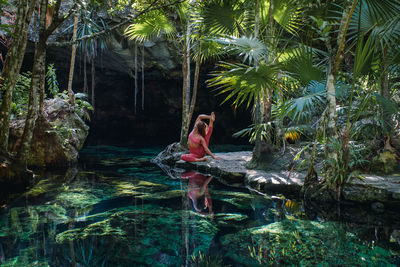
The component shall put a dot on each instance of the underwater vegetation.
(119, 210)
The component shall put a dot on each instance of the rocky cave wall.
(114, 121)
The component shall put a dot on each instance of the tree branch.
(56, 22)
(122, 23)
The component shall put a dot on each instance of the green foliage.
(82, 107)
(250, 48)
(254, 131)
(300, 64)
(150, 26)
(223, 17)
(51, 79)
(20, 97)
(340, 169)
(245, 83)
(201, 260)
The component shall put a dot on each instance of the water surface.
(118, 209)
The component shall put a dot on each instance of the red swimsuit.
(197, 152)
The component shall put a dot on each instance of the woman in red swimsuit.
(199, 139)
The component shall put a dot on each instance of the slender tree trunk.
(331, 97)
(143, 77)
(384, 75)
(72, 66)
(85, 83)
(37, 70)
(194, 94)
(184, 131)
(42, 86)
(136, 74)
(186, 87)
(330, 83)
(268, 107)
(12, 67)
(258, 118)
(93, 83)
(195, 86)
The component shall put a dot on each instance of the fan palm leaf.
(223, 17)
(250, 48)
(153, 25)
(287, 13)
(245, 83)
(300, 63)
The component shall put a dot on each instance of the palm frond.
(223, 17)
(209, 49)
(152, 26)
(300, 63)
(363, 56)
(287, 13)
(243, 82)
(303, 108)
(250, 48)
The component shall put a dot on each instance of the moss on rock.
(384, 162)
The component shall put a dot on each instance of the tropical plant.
(52, 81)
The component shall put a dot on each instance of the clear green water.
(118, 209)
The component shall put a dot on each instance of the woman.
(199, 139)
(198, 192)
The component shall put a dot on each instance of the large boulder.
(58, 135)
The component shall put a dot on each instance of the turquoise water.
(118, 209)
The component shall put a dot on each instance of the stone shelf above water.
(231, 169)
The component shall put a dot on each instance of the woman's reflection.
(198, 192)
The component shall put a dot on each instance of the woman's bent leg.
(189, 157)
(193, 157)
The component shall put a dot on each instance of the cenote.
(118, 209)
(199, 133)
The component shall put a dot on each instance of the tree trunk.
(186, 87)
(268, 107)
(12, 67)
(93, 82)
(384, 75)
(195, 86)
(184, 128)
(42, 86)
(143, 77)
(330, 83)
(136, 74)
(332, 115)
(85, 83)
(256, 156)
(72, 66)
(37, 70)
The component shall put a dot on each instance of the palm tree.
(261, 51)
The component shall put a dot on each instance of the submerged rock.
(294, 242)
(138, 230)
(58, 135)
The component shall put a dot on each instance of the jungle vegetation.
(325, 71)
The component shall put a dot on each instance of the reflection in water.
(198, 192)
(121, 210)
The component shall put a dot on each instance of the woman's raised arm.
(203, 117)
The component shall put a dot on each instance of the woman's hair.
(201, 203)
(201, 128)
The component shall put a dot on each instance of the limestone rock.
(57, 138)
(384, 162)
(170, 155)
